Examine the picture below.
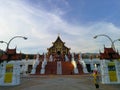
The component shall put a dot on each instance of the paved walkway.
(59, 82)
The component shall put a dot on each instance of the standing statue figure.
(51, 58)
(66, 58)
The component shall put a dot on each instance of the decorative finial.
(104, 45)
(26, 57)
(58, 34)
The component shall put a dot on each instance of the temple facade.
(58, 47)
(58, 51)
(58, 60)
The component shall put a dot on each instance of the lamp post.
(3, 42)
(112, 42)
(14, 38)
(116, 40)
(10, 41)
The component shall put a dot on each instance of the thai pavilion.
(58, 60)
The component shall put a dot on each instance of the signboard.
(8, 73)
(112, 72)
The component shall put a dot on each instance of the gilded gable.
(58, 47)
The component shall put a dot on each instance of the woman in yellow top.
(96, 78)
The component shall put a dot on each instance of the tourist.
(96, 78)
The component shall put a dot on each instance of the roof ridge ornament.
(58, 34)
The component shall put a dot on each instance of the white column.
(59, 67)
(104, 71)
(15, 73)
(117, 64)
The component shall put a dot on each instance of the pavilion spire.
(58, 34)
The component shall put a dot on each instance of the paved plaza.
(59, 82)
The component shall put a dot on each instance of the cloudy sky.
(77, 21)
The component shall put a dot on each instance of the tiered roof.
(10, 54)
(58, 46)
(109, 53)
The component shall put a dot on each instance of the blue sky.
(77, 21)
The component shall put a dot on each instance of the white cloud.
(41, 27)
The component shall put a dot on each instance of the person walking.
(96, 78)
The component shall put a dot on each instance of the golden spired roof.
(59, 39)
(58, 46)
